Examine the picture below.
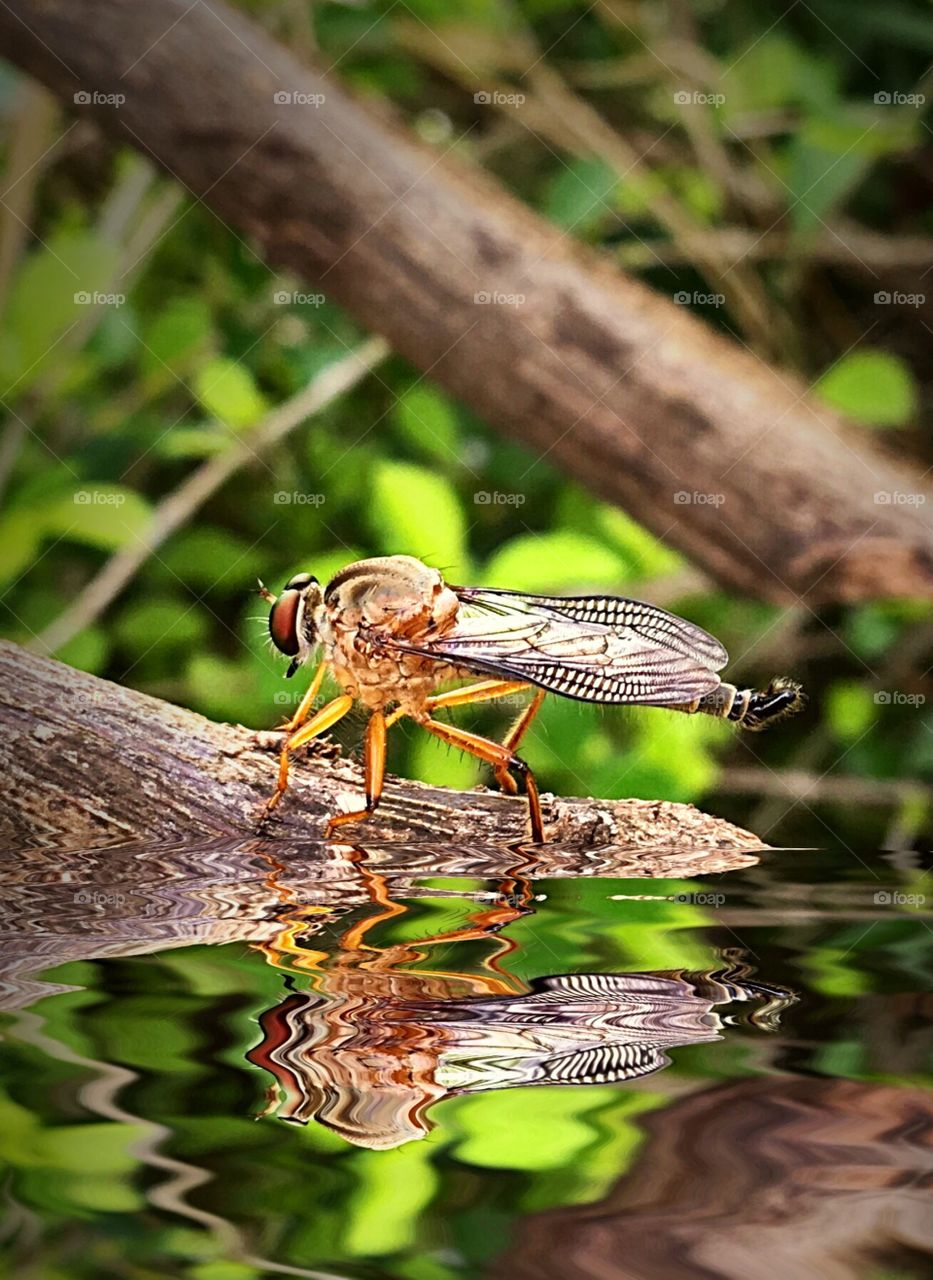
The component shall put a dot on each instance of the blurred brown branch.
(717, 452)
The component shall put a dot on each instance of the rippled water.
(248, 1059)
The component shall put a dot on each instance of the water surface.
(246, 1059)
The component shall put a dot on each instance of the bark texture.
(87, 763)
(715, 451)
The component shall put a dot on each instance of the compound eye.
(300, 581)
(283, 621)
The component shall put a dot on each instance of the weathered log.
(87, 763)
(718, 453)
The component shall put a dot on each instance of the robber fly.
(391, 631)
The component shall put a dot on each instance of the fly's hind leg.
(374, 768)
(514, 737)
(499, 756)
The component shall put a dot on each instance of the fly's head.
(294, 618)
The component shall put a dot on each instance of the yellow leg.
(496, 754)
(514, 737)
(307, 702)
(374, 766)
(319, 723)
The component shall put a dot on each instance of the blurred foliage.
(754, 120)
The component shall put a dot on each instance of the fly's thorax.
(380, 600)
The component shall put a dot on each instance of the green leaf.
(417, 512)
(581, 195)
(180, 331)
(206, 558)
(427, 420)
(169, 621)
(88, 651)
(46, 299)
(872, 387)
(227, 389)
(850, 710)
(561, 561)
(102, 515)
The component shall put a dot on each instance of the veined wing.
(604, 649)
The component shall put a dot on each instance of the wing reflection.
(374, 1045)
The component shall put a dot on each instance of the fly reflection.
(374, 1045)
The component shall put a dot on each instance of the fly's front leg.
(499, 756)
(319, 723)
(374, 767)
(307, 702)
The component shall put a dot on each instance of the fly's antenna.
(759, 709)
(266, 593)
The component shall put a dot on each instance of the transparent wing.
(604, 649)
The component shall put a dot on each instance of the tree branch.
(591, 370)
(91, 763)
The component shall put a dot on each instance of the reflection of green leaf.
(417, 512)
(872, 387)
(391, 1190)
(226, 388)
(558, 561)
